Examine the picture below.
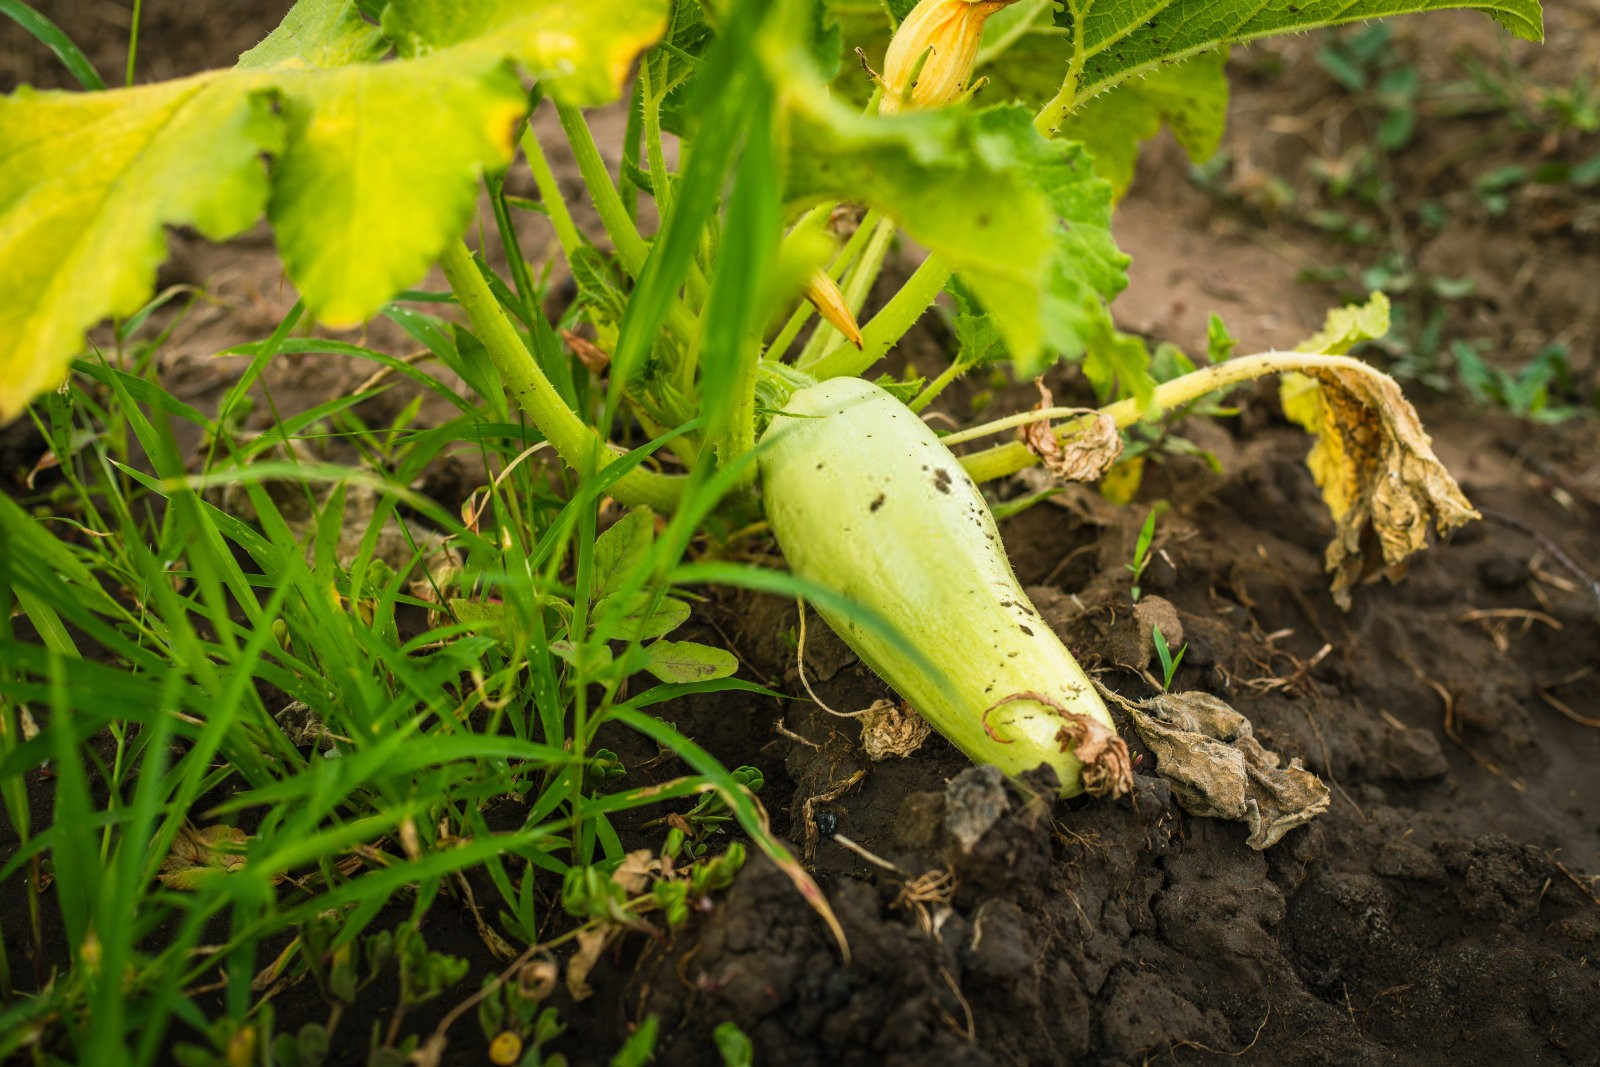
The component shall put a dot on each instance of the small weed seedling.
(1141, 552)
(1169, 660)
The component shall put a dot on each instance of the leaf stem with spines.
(1001, 460)
(577, 443)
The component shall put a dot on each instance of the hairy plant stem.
(660, 180)
(888, 325)
(577, 443)
(924, 285)
(931, 392)
(1009, 458)
(613, 213)
(1050, 117)
(550, 193)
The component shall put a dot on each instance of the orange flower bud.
(947, 32)
(829, 302)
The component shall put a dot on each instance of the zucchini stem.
(1001, 460)
(888, 325)
(577, 443)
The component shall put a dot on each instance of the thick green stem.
(888, 325)
(740, 435)
(613, 214)
(1005, 459)
(660, 177)
(1050, 117)
(578, 444)
(550, 194)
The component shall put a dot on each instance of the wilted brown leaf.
(1083, 457)
(890, 729)
(634, 872)
(1209, 755)
(594, 358)
(591, 942)
(1377, 471)
(1372, 459)
(196, 852)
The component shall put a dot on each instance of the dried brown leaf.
(889, 729)
(1084, 457)
(594, 358)
(197, 852)
(1377, 471)
(591, 942)
(634, 872)
(1209, 755)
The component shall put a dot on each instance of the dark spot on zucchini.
(941, 480)
(877, 502)
(1024, 629)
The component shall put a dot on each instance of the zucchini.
(864, 498)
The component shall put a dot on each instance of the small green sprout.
(1141, 551)
(1169, 661)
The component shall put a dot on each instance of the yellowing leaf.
(87, 181)
(380, 170)
(372, 167)
(199, 853)
(579, 51)
(1373, 461)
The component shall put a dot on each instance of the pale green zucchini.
(863, 498)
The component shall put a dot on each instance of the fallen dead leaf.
(890, 729)
(1216, 767)
(591, 942)
(197, 852)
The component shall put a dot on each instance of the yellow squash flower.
(947, 32)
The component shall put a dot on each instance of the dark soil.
(1444, 910)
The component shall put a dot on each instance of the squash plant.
(995, 135)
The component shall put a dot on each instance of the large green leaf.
(1022, 220)
(87, 181)
(1111, 40)
(1127, 66)
(1190, 97)
(373, 165)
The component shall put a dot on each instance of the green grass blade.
(51, 36)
